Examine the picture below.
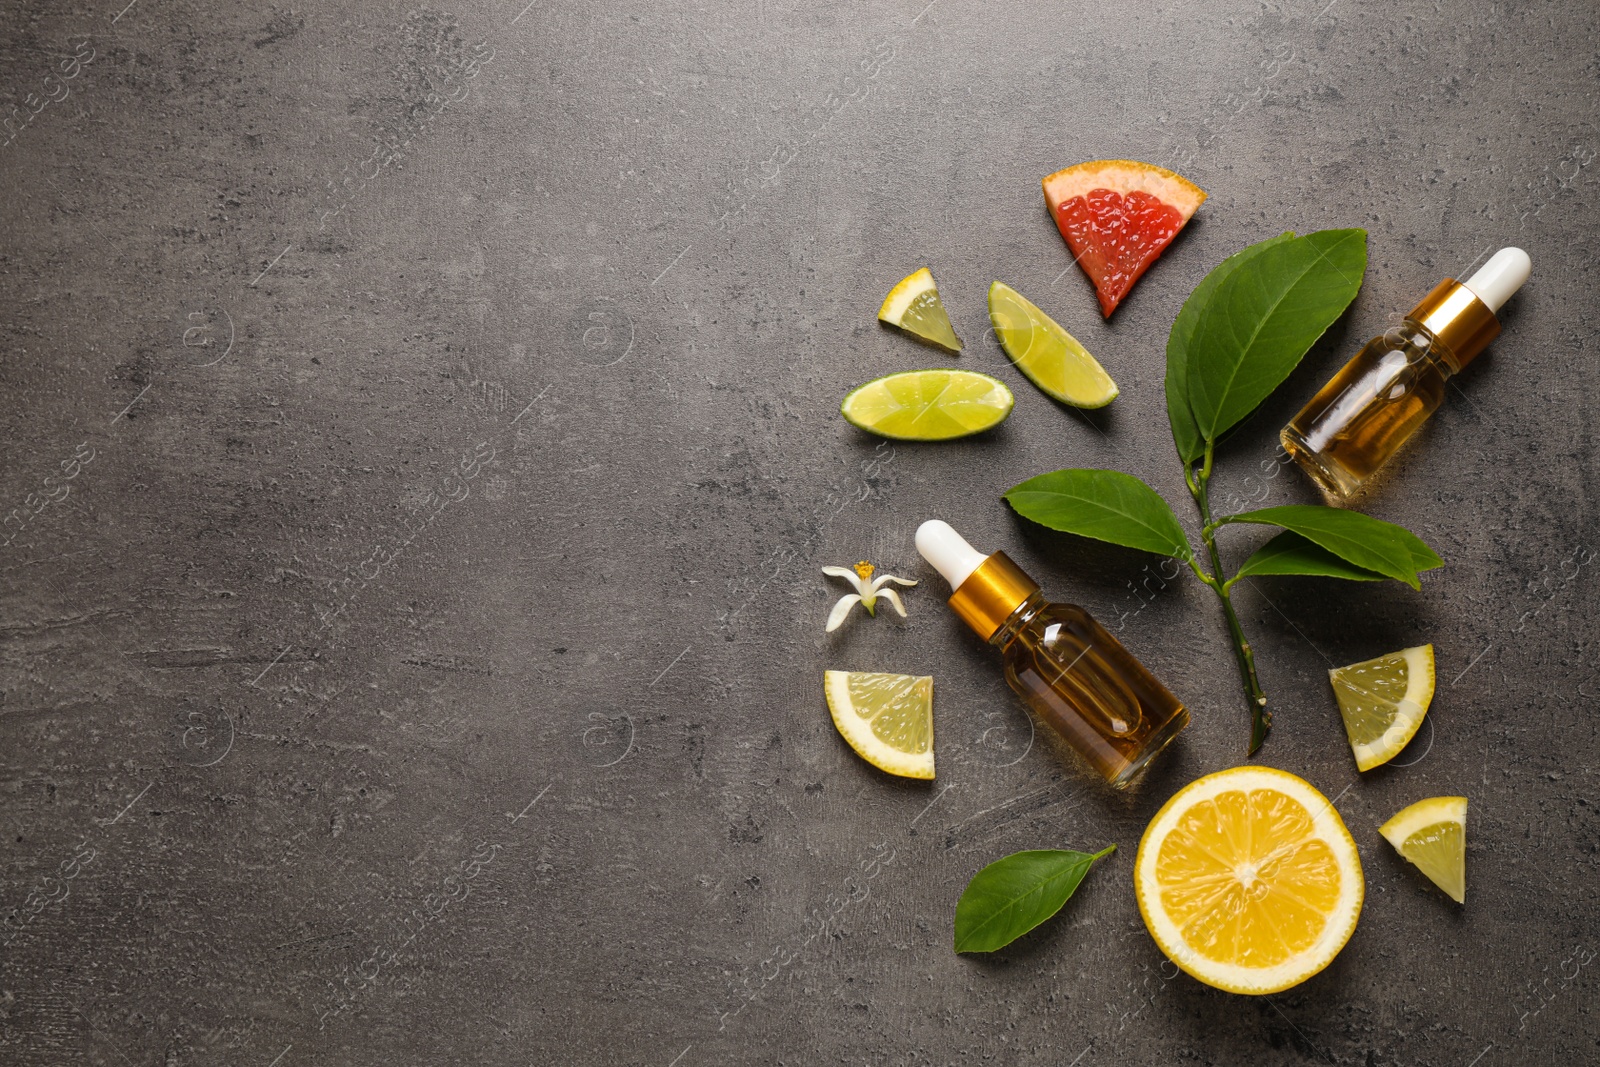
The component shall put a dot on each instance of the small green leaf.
(1263, 317)
(1013, 895)
(1106, 505)
(1371, 544)
(1184, 432)
(1290, 553)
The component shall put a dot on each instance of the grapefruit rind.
(1124, 176)
(1328, 828)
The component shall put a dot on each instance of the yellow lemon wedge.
(1432, 834)
(913, 305)
(887, 718)
(929, 405)
(1049, 356)
(1248, 880)
(1383, 701)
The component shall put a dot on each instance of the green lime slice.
(1050, 356)
(929, 405)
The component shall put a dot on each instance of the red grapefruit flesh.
(1118, 216)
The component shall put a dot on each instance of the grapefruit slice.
(1118, 216)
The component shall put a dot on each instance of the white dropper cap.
(948, 551)
(1503, 275)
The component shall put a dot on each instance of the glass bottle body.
(1087, 688)
(1357, 422)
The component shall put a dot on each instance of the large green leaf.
(1290, 553)
(1106, 505)
(1263, 317)
(1191, 446)
(1371, 544)
(1013, 895)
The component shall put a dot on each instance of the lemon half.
(1249, 881)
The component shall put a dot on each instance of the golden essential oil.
(1078, 679)
(1380, 399)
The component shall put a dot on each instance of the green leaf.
(1184, 432)
(1106, 505)
(1423, 558)
(1371, 544)
(1013, 895)
(1290, 553)
(1263, 317)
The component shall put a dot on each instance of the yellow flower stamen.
(864, 569)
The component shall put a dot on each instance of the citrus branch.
(1243, 654)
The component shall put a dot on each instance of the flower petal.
(848, 575)
(894, 598)
(884, 579)
(840, 610)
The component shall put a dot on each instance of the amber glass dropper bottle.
(1076, 677)
(1384, 395)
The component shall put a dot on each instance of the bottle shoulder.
(1049, 623)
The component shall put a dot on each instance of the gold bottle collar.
(991, 593)
(1462, 323)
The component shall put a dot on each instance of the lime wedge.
(928, 405)
(914, 306)
(1383, 701)
(1432, 834)
(1050, 356)
(887, 718)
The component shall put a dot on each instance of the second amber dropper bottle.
(1357, 422)
(1078, 679)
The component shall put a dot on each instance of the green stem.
(1244, 656)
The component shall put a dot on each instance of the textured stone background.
(420, 447)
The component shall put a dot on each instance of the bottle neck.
(1019, 619)
(992, 594)
(1433, 348)
(1456, 322)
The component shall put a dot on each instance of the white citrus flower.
(868, 590)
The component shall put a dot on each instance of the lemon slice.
(1050, 356)
(1248, 880)
(1432, 834)
(929, 405)
(887, 718)
(914, 306)
(1383, 701)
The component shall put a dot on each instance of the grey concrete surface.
(421, 442)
